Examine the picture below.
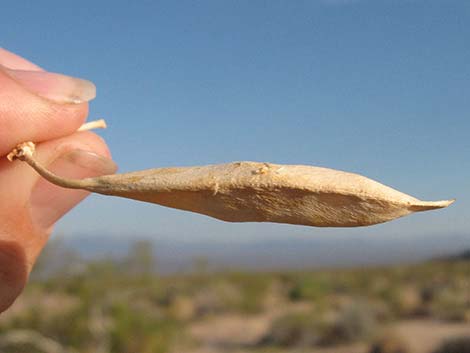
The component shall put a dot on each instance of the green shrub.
(136, 332)
(310, 287)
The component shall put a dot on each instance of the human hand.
(48, 109)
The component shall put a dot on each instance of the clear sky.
(378, 87)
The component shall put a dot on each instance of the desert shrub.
(354, 322)
(37, 319)
(20, 347)
(215, 293)
(310, 287)
(428, 293)
(20, 341)
(210, 300)
(450, 306)
(455, 345)
(294, 330)
(389, 343)
(382, 311)
(135, 332)
(253, 290)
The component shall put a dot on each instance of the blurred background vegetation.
(124, 305)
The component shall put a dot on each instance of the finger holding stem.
(25, 152)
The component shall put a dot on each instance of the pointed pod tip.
(430, 205)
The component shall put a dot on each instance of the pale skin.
(29, 206)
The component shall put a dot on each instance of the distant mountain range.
(270, 254)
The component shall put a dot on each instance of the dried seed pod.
(255, 192)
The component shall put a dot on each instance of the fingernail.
(50, 202)
(55, 87)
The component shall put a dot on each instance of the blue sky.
(378, 87)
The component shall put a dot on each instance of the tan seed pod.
(254, 192)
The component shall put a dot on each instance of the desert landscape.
(124, 305)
